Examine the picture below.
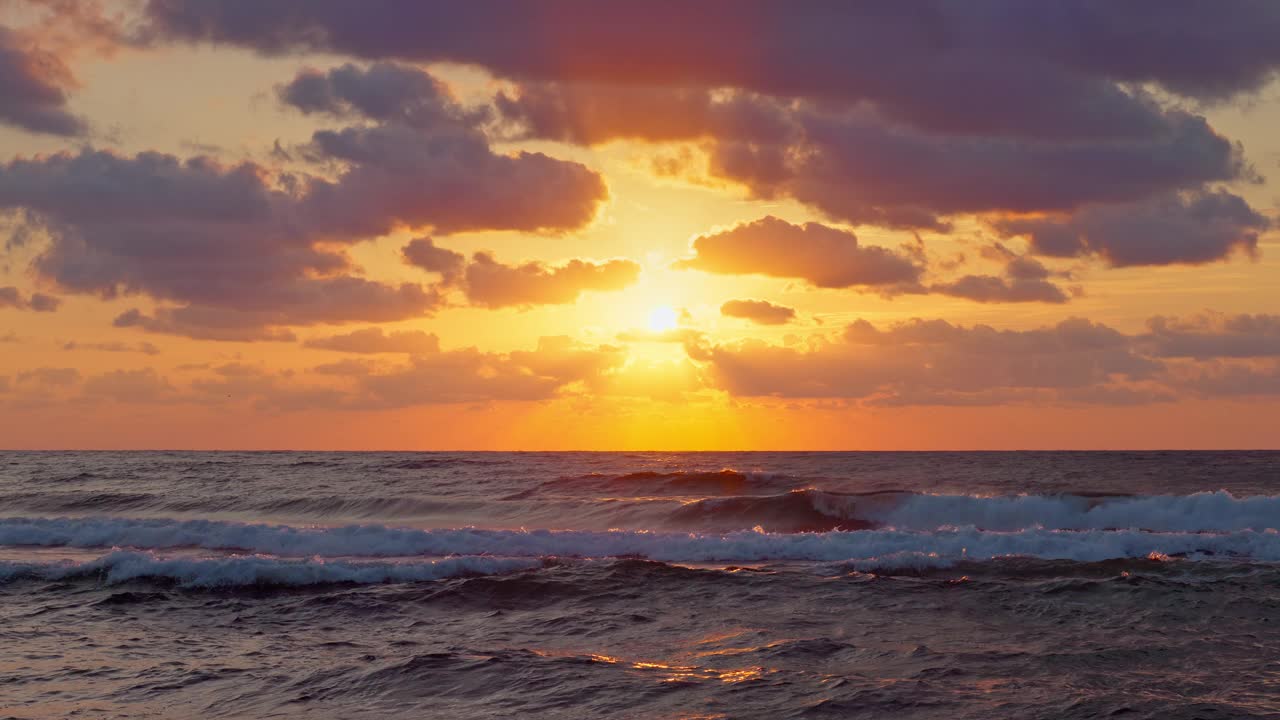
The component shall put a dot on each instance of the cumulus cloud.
(427, 162)
(761, 312)
(375, 340)
(1214, 335)
(33, 87)
(821, 255)
(492, 284)
(993, 109)
(1076, 361)
(925, 361)
(1192, 228)
(1002, 66)
(1024, 279)
(12, 297)
(486, 282)
(244, 247)
(590, 114)
(423, 253)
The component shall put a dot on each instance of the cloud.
(1041, 69)
(33, 87)
(12, 297)
(469, 375)
(375, 340)
(1214, 335)
(427, 161)
(996, 109)
(385, 92)
(1076, 361)
(1024, 279)
(221, 241)
(129, 386)
(49, 377)
(933, 361)
(240, 246)
(145, 348)
(761, 312)
(824, 256)
(492, 284)
(202, 323)
(1188, 228)
(423, 253)
(591, 114)
(486, 282)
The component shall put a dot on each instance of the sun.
(662, 319)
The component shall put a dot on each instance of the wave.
(907, 546)
(119, 567)
(814, 511)
(682, 482)
(1201, 512)
(319, 506)
(796, 511)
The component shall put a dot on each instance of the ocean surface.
(640, 585)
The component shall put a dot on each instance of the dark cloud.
(375, 340)
(761, 312)
(590, 114)
(385, 92)
(12, 297)
(1001, 107)
(1214, 335)
(1024, 279)
(423, 253)
(243, 251)
(427, 161)
(452, 182)
(821, 255)
(204, 323)
(33, 87)
(1048, 69)
(1191, 228)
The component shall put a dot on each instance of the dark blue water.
(640, 585)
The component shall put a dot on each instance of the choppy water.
(640, 585)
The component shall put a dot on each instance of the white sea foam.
(118, 567)
(1200, 512)
(746, 546)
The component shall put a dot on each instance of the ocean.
(640, 585)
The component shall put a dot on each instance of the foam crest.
(1201, 512)
(742, 546)
(119, 567)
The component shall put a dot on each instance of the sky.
(318, 224)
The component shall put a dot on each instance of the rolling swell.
(871, 548)
(678, 483)
(120, 567)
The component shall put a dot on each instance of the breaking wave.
(119, 567)
(936, 547)
(816, 511)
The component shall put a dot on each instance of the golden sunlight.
(663, 318)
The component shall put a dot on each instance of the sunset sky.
(662, 225)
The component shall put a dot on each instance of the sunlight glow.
(662, 319)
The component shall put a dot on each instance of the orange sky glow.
(564, 232)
